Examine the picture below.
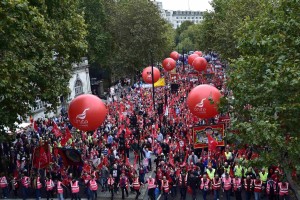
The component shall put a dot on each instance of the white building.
(177, 17)
(78, 84)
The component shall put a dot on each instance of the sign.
(199, 135)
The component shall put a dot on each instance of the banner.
(41, 156)
(160, 83)
(70, 156)
(200, 138)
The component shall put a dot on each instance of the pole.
(153, 90)
(183, 60)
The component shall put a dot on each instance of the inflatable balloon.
(200, 64)
(169, 64)
(199, 53)
(174, 55)
(147, 74)
(191, 58)
(87, 112)
(203, 100)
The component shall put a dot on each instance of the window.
(78, 87)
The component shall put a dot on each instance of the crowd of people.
(140, 137)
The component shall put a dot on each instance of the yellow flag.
(160, 83)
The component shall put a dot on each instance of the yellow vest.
(211, 174)
(263, 177)
(238, 171)
(227, 169)
(228, 155)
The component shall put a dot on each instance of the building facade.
(176, 18)
(79, 84)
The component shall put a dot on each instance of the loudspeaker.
(174, 87)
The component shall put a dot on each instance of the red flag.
(66, 137)
(95, 134)
(56, 130)
(41, 156)
(212, 143)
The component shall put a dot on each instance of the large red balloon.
(191, 58)
(174, 55)
(87, 112)
(199, 53)
(200, 64)
(147, 74)
(169, 64)
(203, 101)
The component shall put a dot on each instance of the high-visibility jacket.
(49, 185)
(204, 184)
(60, 189)
(25, 181)
(216, 184)
(110, 181)
(3, 182)
(257, 185)
(270, 184)
(228, 155)
(38, 183)
(136, 184)
(227, 169)
(238, 171)
(237, 184)
(181, 180)
(248, 185)
(227, 183)
(74, 187)
(283, 189)
(151, 183)
(211, 174)
(263, 177)
(165, 186)
(93, 185)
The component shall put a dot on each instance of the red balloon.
(147, 74)
(174, 55)
(169, 64)
(191, 58)
(87, 112)
(200, 64)
(202, 101)
(199, 53)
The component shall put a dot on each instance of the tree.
(39, 41)
(183, 27)
(188, 38)
(98, 37)
(265, 83)
(219, 25)
(138, 33)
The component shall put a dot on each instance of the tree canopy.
(39, 41)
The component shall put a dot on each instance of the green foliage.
(137, 30)
(31, 33)
(265, 81)
(219, 25)
(189, 38)
(183, 27)
(98, 38)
